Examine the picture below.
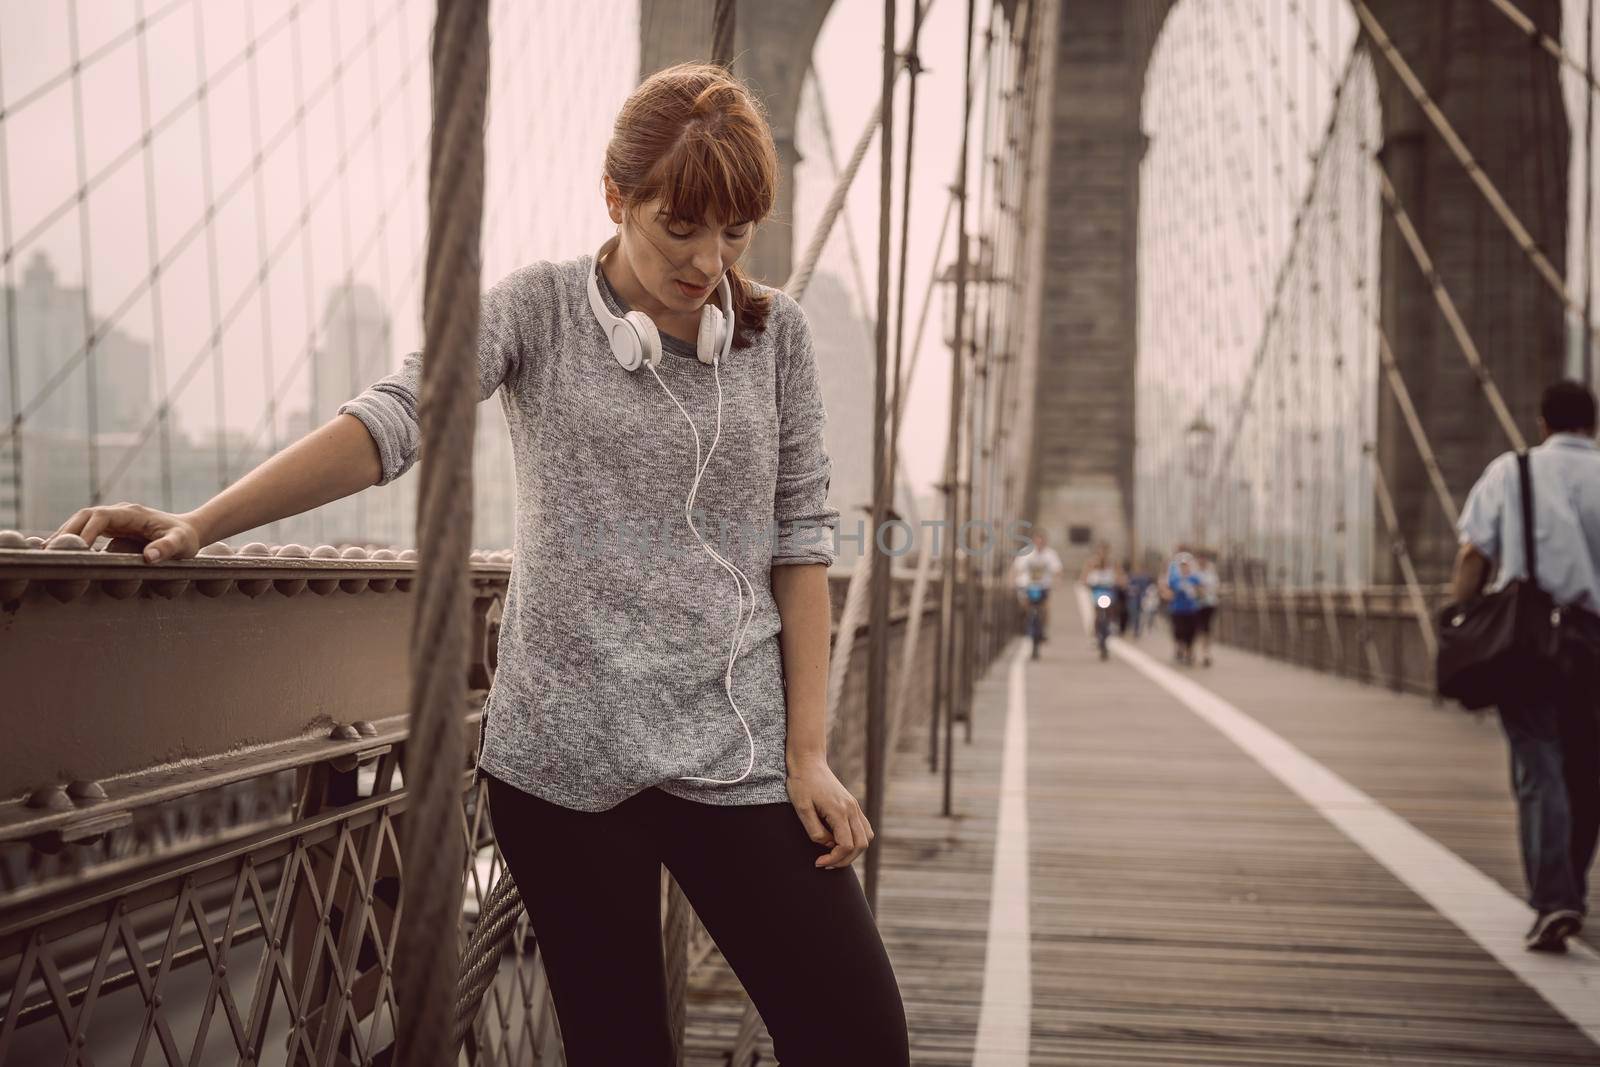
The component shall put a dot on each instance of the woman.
(638, 715)
(1183, 591)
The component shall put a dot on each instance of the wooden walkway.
(1186, 906)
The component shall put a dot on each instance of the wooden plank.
(1186, 907)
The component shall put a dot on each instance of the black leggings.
(801, 939)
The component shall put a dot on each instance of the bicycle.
(1035, 627)
(1102, 619)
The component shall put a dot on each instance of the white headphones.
(636, 342)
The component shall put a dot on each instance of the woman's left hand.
(828, 811)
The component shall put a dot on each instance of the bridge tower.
(1081, 475)
(772, 52)
(1501, 95)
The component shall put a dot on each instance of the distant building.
(356, 348)
(846, 365)
(10, 488)
(46, 339)
(48, 335)
(353, 348)
(1574, 346)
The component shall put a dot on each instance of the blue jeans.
(1555, 774)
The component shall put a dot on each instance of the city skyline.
(355, 347)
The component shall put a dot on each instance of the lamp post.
(980, 275)
(963, 285)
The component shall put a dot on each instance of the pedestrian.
(1206, 572)
(1149, 607)
(617, 729)
(1127, 599)
(1553, 736)
(1183, 604)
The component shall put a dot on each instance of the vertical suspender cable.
(91, 390)
(885, 447)
(966, 470)
(433, 846)
(722, 25)
(213, 283)
(882, 473)
(158, 333)
(947, 572)
(8, 286)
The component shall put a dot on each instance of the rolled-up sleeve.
(389, 407)
(1479, 524)
(804, 523)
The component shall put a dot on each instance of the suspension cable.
(800, 276)
(197, 230)
(1388, 360)
(433, 847)
(1548, 43)
(1474, 171)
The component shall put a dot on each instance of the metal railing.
(1369, 634)
(199, 821)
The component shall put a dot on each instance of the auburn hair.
(694, 138)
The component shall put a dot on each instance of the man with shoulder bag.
(1529, 642)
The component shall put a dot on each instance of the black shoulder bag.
(1507, 643)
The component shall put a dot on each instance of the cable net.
(213, 223)
(1267, 390)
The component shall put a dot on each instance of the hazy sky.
(359, 68)
(560, 71)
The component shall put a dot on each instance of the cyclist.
(1103, 580)
(1032, 572)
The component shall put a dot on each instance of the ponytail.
(750, 308)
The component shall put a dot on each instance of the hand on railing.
(169, 536)
(829, 812)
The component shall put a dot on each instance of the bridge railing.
(201, 800)
(1370, 634)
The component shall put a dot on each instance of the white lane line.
(1453, 887)
(1006, 1015)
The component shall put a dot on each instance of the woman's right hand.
(169, 536)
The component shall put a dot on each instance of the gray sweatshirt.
(618, 625)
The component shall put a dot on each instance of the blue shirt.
(1185, 591)
(1566, 520)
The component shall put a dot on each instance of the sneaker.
(1550, 931)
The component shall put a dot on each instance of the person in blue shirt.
(1184, 601)
(1554, 737)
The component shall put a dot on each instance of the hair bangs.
(712, 176)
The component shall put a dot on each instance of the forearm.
(1472, 568)
(801, 593)
(333, 461)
